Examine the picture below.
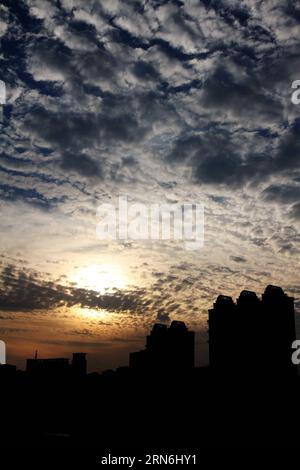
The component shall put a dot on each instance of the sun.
(99, 277)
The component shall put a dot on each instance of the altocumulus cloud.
(92, 82)
(162, 97)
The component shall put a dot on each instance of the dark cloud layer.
(96, 80)
(103, 91)
(99, 92)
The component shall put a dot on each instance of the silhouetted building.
(49, 367)
(7, 371)
(280, 315)
(252, 336)
(166, 348)
(222, 325)
(58, 367)
(79, 365)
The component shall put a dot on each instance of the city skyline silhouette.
(150, 221)
(238, 340)
(61, 405)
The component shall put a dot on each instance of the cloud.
(162, 317)
(163, 100)
(103, 81)
(295, 211)
(217, 157)
(236, 93)
(284, 193)
(23, 290)
(4, 20)
(288, 153)
(80, 138)
(238, 259)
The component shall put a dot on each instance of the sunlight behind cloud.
(99, 277)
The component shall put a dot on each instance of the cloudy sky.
(162, 101)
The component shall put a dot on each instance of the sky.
(163, 102)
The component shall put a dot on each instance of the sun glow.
(99, 277)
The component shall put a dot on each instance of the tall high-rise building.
(253, 336)
(279, 311)
(79, 363)
(222, 325)
(167, 348)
